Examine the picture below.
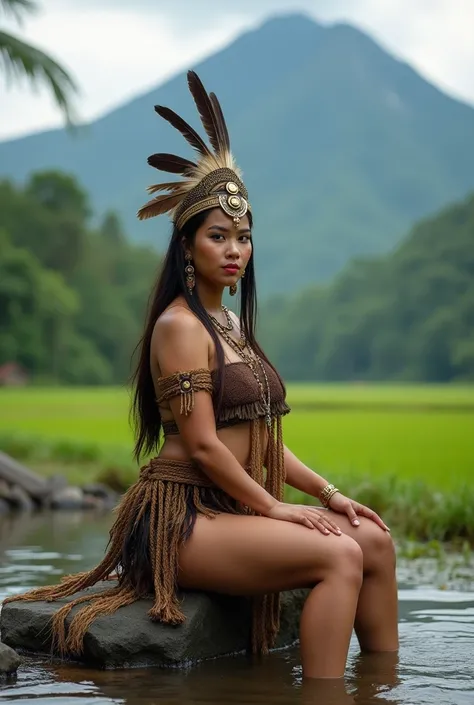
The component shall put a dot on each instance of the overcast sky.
(116, 49)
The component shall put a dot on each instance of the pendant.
(268, 420)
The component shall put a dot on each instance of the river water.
(435, 665)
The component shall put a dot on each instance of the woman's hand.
(312, 517)
(343, 505)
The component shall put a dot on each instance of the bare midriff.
(236, 438)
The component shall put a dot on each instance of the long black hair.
(171, 284)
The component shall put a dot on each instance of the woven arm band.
(185, 385)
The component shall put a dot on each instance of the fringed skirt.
(156, 515)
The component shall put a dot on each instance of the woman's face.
(221, 251)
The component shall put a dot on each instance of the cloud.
(112, 55)
(435, 36)
(117, 49)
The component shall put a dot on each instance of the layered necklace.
(251, 359)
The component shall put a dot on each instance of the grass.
(414, 432)
(384, 396)
(92, 415)
(437, 447)
(407, 451)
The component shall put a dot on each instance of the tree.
(59, 193)
(17, 58)
(48, 218)
(406, 316)
(72, 297)
(36, 311)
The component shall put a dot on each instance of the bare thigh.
(245, 555)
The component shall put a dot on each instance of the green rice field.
(413, 432)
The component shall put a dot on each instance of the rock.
(97, 489)
(94, 503)
(4, 489)
(67, 498)
(104, 496)
(9, 660)
(55, 483)
(16, 474)
(215, 625)
(4, 507)
(20, 500)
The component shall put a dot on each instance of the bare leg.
(244, 555)
(325, 692)
(377, 611)
(376, 673)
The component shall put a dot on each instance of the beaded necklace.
(251, 359)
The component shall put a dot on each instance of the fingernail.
(356, 522)
(326, 531)
(339, 532)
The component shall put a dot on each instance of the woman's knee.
(345, 561)
(378, 549)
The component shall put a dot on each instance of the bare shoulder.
(178, 321)
(180, 341)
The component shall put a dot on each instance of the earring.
(233, 288)
(189, 271)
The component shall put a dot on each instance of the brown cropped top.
(241, 396)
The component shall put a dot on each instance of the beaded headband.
(212, 181)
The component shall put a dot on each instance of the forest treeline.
(407, 316)
(73, 298)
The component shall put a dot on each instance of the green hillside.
(405, 316)
(343, 147)
(72, 297)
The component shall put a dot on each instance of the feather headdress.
(212, 180)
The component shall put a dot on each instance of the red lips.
(232, 268)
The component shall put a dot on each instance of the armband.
(184, 384)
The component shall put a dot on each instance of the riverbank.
(435, 566)
(414, 509)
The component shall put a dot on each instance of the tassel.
(187, 401)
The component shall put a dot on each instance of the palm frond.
(20, 59)
(18, 8)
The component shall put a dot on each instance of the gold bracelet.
(326, 494)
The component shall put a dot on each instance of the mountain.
(342, 146)
(407, 315)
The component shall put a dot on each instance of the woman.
(208, 513)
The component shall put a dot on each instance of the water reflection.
(435, 666)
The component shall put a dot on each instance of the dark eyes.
(218, 236)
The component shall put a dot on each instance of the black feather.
(224, 138)
(171, 163)
(186, 130)
(205, 109)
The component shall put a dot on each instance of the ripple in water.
(435, 665)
